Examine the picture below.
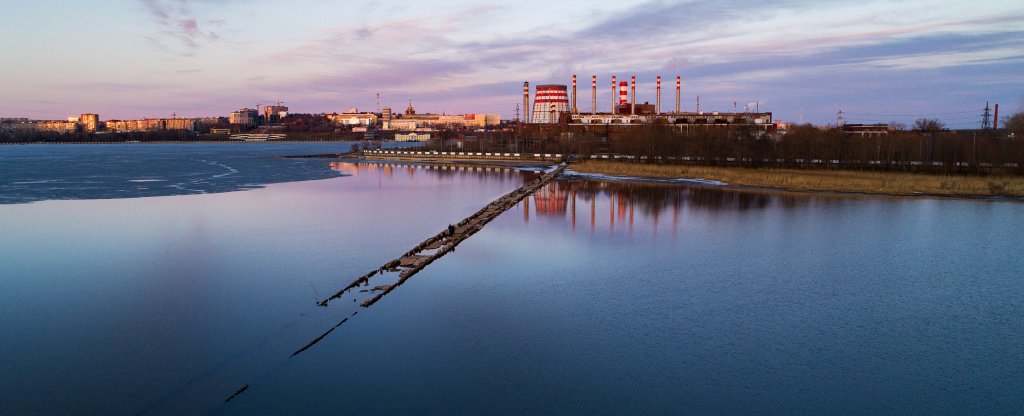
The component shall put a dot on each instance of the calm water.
(591, 298)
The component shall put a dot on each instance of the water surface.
(588, 298)
(40, 172)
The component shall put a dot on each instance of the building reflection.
(624, 205)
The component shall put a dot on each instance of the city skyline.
(877, 61)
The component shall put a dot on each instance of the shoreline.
(816, 181)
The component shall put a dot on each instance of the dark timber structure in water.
(435, 247)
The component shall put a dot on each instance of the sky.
(877, 61)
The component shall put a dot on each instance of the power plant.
(551, 105)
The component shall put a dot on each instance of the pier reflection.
(439, 173)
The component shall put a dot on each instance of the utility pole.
(519, 129)
(986, 118)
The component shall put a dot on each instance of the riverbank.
(887, 183)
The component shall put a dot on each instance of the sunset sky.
(879, 61)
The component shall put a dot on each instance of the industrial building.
(866, 130)
(551, 105)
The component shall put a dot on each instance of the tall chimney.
(657, 105)
(995, 123)
(526, 102)
(593, 94)
(679, 89)
(632, 97)
(614, 86)
(574, 110)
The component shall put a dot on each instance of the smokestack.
(614, 85)
(574, 111)
(679, 89)
(657, 105)
(632, 99)
(526, 102)
(995, 123)
(623, 95)
(593, 94)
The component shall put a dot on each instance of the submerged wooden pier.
(396, 272)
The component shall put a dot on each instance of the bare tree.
(928, 124)
(1015, 124)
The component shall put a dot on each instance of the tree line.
(928, 147)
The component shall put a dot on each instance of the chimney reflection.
(551, 201)
(573, 199)
(526, 209)
(636, 204)
(633, 202)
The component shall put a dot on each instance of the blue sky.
(877, 60)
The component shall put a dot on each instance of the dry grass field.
(822, 180)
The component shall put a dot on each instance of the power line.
(912, 115)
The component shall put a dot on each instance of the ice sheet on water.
(43, 172)
(597, 176)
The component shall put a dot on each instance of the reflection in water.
(627, 203)
(412, 171)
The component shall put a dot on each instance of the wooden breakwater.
(435, 247)
(395, 272)
(421, 154)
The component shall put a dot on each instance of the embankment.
(886, 183)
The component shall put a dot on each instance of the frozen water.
(91, 171)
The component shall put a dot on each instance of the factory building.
(551, 102)
(712, 118)
(866, 130)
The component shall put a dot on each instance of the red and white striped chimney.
(593, 94)
(679, 88)
(632, 99)
(623, 93)
(657, 105)
(614, 86)
(526, 102)
(574, 111)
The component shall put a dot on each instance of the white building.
(411, 137)
(354, 119)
